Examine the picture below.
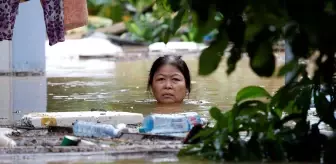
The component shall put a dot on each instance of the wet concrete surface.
(44, 141)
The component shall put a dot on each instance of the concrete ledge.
(89, 150)
(22, 74)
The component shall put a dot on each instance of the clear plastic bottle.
(92, 129)
(170, 123)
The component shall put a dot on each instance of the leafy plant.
(116, 9)
(146, 28)
(254, 27)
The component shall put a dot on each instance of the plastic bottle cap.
(142, 130)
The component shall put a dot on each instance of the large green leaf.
(215, 113)
(251, 30)
(260, 51)
(300, 43)
(177, 20)
(219, 117)
(236, 30)
(175, 5)
(251, 92)
(166, 36)
(211, 57)
(263, 61)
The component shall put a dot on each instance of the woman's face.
(169, 85)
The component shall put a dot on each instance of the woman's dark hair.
(174, 61)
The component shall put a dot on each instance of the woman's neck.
(168, 108)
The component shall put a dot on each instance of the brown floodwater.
(121, 86)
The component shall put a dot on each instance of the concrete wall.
(22, 65)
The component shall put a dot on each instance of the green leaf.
(251, 31)
(287, 118)
(215, 113)
(166, 36)
(252, 106)
(263, 61)
(235, 56)
(211, 57)
(176, 23)
(158, 31)
(230, 119)
(285, 96)
(251, 92)
(288, 67)
(175, 5)
(135, 29)
(113, 11)
(303, 98)
(300, 43)
(291, 107)
(260, 51)
(209, 60)
(204, 133)
(236, 30)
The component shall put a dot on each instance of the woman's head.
(169, 79)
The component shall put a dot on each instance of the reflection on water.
(123, 87)
(108, 159)
(98, 158)
(21, 95)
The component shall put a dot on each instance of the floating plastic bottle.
(170, 123)
(92, 129)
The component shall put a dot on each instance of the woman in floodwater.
(169, 81)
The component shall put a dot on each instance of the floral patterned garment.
(54, 20)
(53, 17)
(8, 12)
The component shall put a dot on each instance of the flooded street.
(79, 85)
(122, 86)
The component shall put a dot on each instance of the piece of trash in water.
(170, 123)
(145, 136)
(47, 121)
(6, 141)
(123, 128)
(86, 143)
(102, 110)
(204, 121)
(92, 129)
(66, 119)
(70, 141)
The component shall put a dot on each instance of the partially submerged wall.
(22, 65)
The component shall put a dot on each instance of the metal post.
(288, 57)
